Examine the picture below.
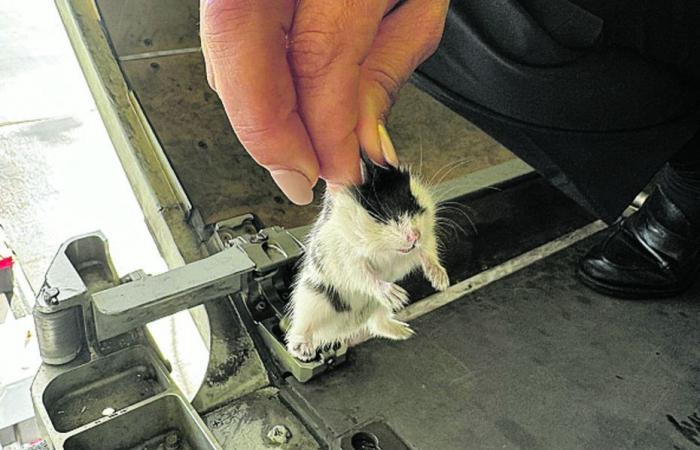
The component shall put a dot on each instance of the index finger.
(245, 49)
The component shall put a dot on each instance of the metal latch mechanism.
(275, 252)
(255, 264)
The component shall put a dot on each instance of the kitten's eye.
(421, 210)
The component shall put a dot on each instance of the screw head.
(51, 295)
(172, 441)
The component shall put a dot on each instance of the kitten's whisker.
(445, 166)
(420, 148)
(444, 207)
(454, 226)
(451, 169)
(445, 191)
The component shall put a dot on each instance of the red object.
(6, 263)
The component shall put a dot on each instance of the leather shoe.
(654, 253)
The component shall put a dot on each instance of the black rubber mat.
(532, 361)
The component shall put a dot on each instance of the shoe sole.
(629, 293)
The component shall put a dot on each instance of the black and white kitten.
(365, 239)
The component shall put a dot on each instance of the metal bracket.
(275, 252)
(86, 315)
(70, 318)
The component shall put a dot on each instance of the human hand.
(307, 83)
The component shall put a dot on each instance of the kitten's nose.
(413, 236)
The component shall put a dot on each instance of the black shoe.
(655, 253)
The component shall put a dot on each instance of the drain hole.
(365, 441)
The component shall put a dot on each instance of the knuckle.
(261, 133)
(313, 52)
(221, 19)
(253, 138)
(387, 81)
(227, 13)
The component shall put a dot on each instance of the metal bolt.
(262, 236)
(172, 442)
(279, 434)
(51, 295)
(260, 306)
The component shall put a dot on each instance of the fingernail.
(295, 186)
(363, 172)
(387, 146)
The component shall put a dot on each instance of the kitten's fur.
(345, 290)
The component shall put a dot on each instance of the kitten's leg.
(303, 323)
(359, 338)
(299, 339)
(390, 295)
(433, 270)
(383, 324)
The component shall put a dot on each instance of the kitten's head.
(392, 212)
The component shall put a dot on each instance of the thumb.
(406, 38)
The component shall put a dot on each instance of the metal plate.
(533, 361)
(222, 181)
(260, 412)
(138, 26)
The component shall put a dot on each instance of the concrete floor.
(59, 175)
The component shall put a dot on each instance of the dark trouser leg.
(681, 180)
(597, 95)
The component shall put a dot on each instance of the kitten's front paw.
(393, 296)
(437, 275)
(395, 330)
(301, 350)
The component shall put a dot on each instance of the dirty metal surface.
(86, 403)
(222, 181)
(138, 26)
(534, 361)
(235, 368)
(261, 412)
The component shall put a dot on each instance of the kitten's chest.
(394, 269)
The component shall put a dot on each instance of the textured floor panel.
(222, 181)
(480, 236)
(534, 361)
(218, 176)
(138, 26)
